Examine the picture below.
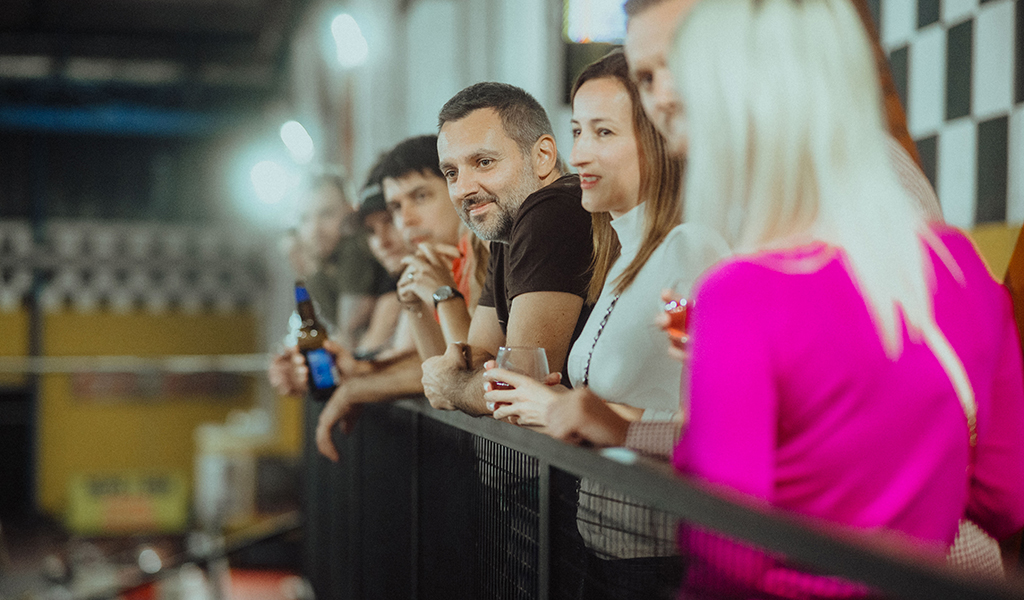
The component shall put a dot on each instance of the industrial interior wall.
(425, 51)
(995, 242)
(82, 429)
(14, 342)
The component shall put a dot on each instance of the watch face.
(444, 293)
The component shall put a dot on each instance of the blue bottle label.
(321, 368)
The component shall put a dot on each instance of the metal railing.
(434, 504)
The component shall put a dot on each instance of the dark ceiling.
(140, 58)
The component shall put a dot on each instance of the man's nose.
(409, 215)
(663, 90)
(464, 186)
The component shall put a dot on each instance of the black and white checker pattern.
(127, 266)
(958, 66)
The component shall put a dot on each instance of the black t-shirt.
(550, 250)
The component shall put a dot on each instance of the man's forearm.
(449, 386)
(454, 320)
(400, 379)
(467, 392)
(392, 356)
(427, 335)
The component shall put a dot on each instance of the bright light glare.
(271, 180)
(149, 561)
(352, 46)
(298, 142)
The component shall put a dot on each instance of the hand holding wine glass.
(528, 360)
(519, 386)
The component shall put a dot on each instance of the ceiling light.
(352, 47)
(298, 142)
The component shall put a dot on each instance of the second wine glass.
(528, 360)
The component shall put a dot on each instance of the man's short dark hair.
(635, 7)
(522, 117)
(414, 155)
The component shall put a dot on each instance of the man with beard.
(498, 156)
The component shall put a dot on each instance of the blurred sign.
(128, 502)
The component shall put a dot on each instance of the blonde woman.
(873, 358)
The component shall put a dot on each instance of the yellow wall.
(995, 242)
(288, 440)
(96, 434)
(13, 342)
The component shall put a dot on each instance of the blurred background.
(149, 157)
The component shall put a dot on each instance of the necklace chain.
(597, 336)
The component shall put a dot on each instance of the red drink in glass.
(501, 385)
(679, 320)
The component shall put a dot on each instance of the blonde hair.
(787, 145)
(660, 175)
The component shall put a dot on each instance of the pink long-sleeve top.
(794, 401)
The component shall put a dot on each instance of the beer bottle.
(323, 373)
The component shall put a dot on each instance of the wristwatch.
(445, 292)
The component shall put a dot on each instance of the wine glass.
(528, 360)
(678, 312)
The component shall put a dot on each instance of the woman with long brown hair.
(631, 186)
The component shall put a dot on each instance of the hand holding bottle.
(323, 376)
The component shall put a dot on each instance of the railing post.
(544, 531)
(351, 514)
(414, 507)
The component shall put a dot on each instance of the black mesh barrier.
(429, 504)
(567, 550)
(320, 539)
(509, 517)
(447, 555)
(382, 508)
(618, 548)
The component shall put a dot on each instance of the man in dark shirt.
(498, 155)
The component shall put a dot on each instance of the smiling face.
(419, 204)
(648, 37)
(604, 150)
(488, 176)
(385, 241)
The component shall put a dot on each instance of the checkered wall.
(958, 66)
(121, 267)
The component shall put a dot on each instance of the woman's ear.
(545, 156)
